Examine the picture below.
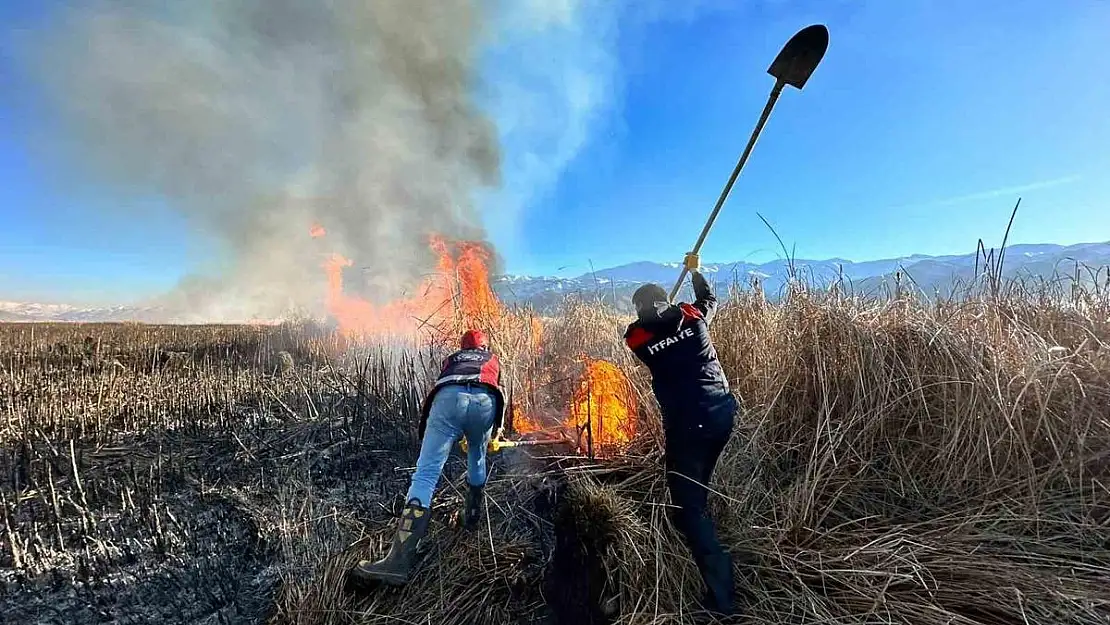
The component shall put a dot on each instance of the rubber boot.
(716, 570)
(395, 567)
(471, 512)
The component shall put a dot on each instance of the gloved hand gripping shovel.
(793, 66)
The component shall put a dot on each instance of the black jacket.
(673, 341)
(469, 366)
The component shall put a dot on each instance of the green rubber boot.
(395, 567)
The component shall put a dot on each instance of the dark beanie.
(646, 296)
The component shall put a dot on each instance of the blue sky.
(922, 126)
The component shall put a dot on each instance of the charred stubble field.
(896, 462)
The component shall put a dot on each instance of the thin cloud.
(993, 193)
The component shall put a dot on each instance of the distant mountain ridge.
(615, 285)
(928, 273)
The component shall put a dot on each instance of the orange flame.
(479, 304)
(604, 401)
(602, 412)
(458, 295)
(522, 422)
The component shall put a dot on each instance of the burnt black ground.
(226, 489)
(192, 526)
(205, 526)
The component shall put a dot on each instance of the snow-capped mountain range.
(615, 285)
(930, 274)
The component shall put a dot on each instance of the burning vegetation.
(898, 461)
(456, 295)
(604, 407)
(599, 411)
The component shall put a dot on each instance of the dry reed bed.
(897, 462)
(904, 463)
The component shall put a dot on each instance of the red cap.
(473, 339)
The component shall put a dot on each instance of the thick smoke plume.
(257, 119)
(381, 120)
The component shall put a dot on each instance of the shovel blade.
(800, 56)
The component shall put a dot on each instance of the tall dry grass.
(898, 461)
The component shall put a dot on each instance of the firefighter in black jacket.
(698, 415)
(467, 400)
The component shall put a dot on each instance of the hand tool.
(793, 66)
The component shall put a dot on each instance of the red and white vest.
(469, 366)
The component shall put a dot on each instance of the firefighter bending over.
(467, 400)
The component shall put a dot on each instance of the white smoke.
(256, 119)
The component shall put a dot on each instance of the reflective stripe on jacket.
(674, 342)
(469, 366)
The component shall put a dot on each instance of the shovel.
(793, 66)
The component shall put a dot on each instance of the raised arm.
(704, 300)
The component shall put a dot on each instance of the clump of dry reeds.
(901, 461)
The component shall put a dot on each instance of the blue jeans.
(458, 410)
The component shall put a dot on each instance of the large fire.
(604, 406)
(457, 295)
(602, 410)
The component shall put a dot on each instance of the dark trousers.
(694, 443)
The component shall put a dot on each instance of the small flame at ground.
(604, 402)
(316, 231)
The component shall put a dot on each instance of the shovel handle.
(775, 92)
(678, 284)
